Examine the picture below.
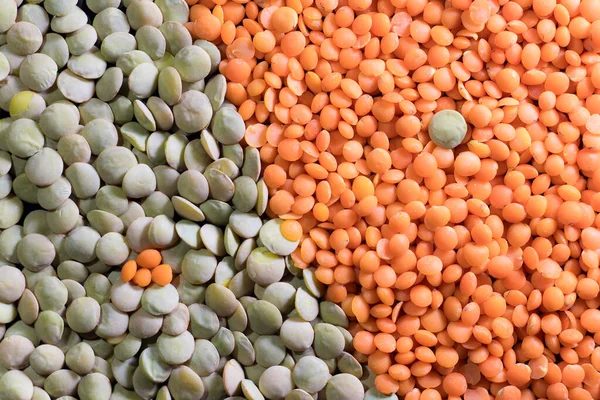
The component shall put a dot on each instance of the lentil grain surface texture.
(467, 272)
(136, 259)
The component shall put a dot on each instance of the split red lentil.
(469, 273)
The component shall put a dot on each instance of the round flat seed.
(188, 293)
(113, 163)
(215, 90)
(210, 145)
(187, 209)
(9, 240)
(333, 314)
(142, 13)
(306, 305)
(244, 252)
(270, 350)
(122, 109)
(192, 63)
(128, 347)
(139, 181)
(35, 252)
(205, 358)
(83, 315)
(59, 120)
(24, 38)
(264, 267)
(162, 233)
(135, 134)
(233, 375)
(80, 358)
(110, 20)
(174, 149)
(83, 178)
(74, 20)
(116, 44)
(137, 234)
(235, 153)
(193, 112)
(225, 272)
(243, 351)
(9, 14)
(169, 85)
(245, 225)
(221, 300)
(177, 36)
(252, 164)
(297, 334)
(276, 382)
(329, 341)
(177, 321)
(311, 374)
(350, 365)
(151, 41)
(38, 72)
(221, 186)
(193, 186)
(195, 157)
(224, 343)
(75, 88)
(314, 286)
(174, 10)
(90, 65)
(109, 84)
(271, 237)
(217, 212)
(112, 249)
(212, 238)
(24, 138)
(282, 295)
(96, 109)
(175, 350)
(198, 266)
(143, 80)
(153, 367)
(94, 385)
(204, 322)
(344, 386)
(144, 325)
(264, 317)
(160, 300)
(25, 189)
(161, 112)
(155, 148)
(184, 384)
(49, 327)
(213, 52)
(227, 126)
(143, 386)
(231, 241)
(82, 40)
(80, 244)
(56, 47)
(123, 371)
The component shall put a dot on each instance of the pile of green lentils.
(115, 137)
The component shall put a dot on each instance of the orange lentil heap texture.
(470, 272)
(147, 269)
